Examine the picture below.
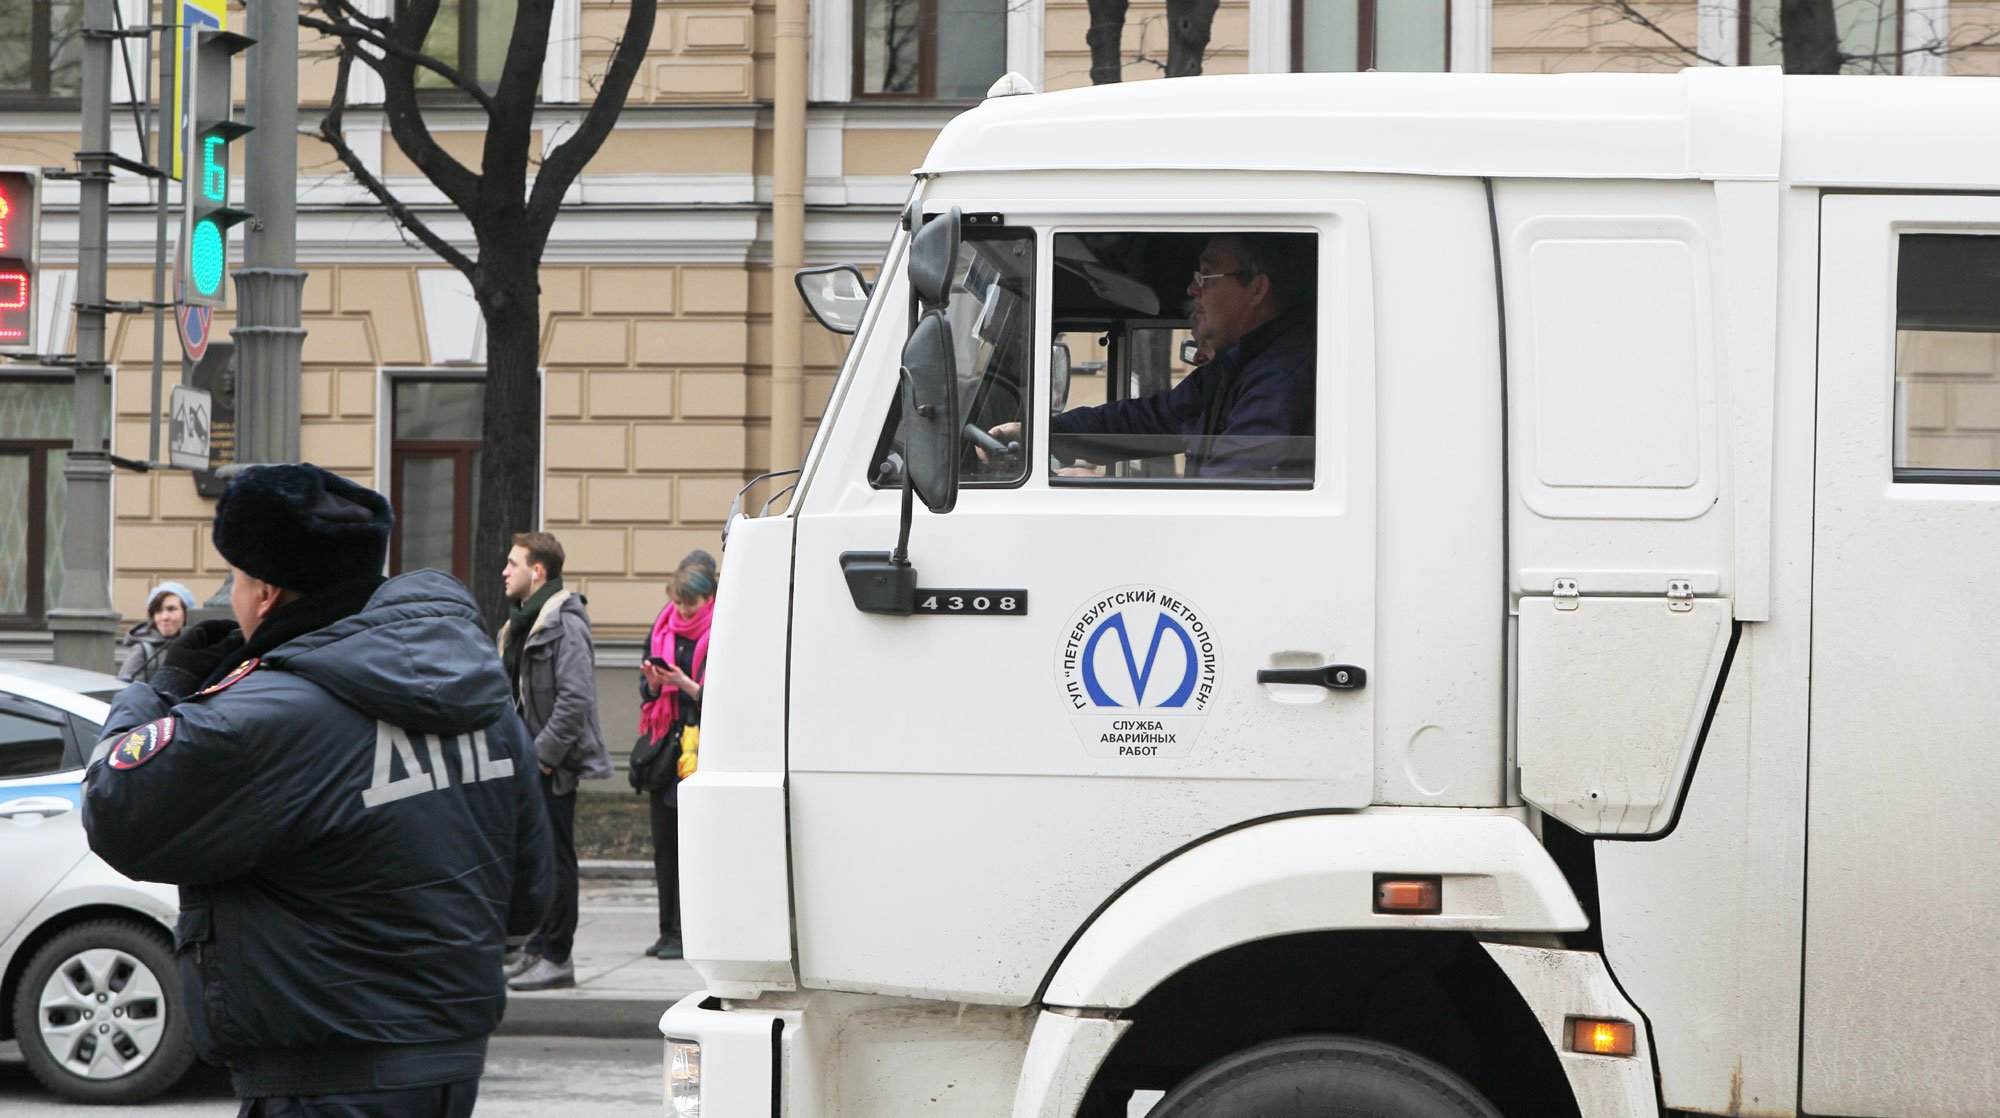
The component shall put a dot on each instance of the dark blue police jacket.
(357, 830)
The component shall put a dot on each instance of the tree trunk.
(1810, 37)
(511, 428)
(1188, 25)
(1107, 30)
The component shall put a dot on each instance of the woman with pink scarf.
(676, 660)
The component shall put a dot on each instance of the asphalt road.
(526, 1077)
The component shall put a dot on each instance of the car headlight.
(683, 1079)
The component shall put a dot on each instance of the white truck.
(1597, 719)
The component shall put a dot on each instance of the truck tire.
(99, 1014)
(1324, 1077)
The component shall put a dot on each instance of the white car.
(88, 984)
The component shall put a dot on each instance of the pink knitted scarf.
(657, 716)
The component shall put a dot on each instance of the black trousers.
(667, 862)
(452, 1100)
(557, 935)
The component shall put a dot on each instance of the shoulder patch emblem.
(139, 746)
(235, 673)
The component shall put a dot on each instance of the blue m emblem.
(1140, 674)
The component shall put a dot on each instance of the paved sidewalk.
(620, 990)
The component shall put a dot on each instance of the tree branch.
(1624, 10)
(504, 166)
(330, 132)
(398, 69)
(349, 34)
(562, 165)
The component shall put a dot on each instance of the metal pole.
(270, 286)
(164, 160)
(83, 621)
(788, 235)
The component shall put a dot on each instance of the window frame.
(468, 48)
(1364, 15)
(40, 713)
(1139, 221)
(1745, 26)
(462, 452)
(35, 556)
(41, 64)
(1035, 370)
(1899, 429)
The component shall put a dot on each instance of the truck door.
(1078, 694)
(1903, 842)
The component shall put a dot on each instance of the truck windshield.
(992, 321)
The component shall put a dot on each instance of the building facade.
(660, 305)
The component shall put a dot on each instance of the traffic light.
(203, 259)
(18, 198)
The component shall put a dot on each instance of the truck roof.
(1714, 123)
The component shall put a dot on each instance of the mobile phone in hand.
(658, 663)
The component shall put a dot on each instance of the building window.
(35, 428)
(41, 50)
(1871, 35)
(471, 37)
(434, 451)
(1354, 35)
(896, 48)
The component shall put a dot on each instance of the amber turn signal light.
(1599, 1036)
(1402, 895)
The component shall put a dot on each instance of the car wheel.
(99, 1014)
(1324, 1077)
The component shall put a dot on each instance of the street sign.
(187, 433)
(215, 374)
(196, 324)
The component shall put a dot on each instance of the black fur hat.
(300, 527)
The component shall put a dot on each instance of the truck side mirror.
(933, 259)
(931, 427)
(837, 295)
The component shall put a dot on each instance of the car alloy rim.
(102, 1013)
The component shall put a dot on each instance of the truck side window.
(1191, 359)
(1948, 358)
(992, 318)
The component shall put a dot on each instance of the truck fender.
(1309, 873)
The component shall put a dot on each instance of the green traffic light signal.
(207, 216)
(207, 259)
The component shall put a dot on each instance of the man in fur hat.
(338, 782)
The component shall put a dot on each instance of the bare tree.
(510, 215)
(1807, 34)
(1189, 23)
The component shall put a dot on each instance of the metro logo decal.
(1129, 701)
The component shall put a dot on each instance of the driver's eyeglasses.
(1201, 280)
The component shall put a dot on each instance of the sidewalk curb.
(601, 1018)
(615, 869)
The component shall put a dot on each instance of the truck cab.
(1526, 720)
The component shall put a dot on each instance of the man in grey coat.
(546, 649)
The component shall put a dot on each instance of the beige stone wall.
(648, 386)
(1950, 388)
(1572, 36)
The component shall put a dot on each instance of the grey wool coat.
(559, 692)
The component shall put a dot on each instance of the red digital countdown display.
(17, 259)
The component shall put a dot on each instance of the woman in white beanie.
(166, 614)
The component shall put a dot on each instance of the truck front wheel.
(1324, 1077)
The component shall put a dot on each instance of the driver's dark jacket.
(357, 832)
(1248, 413)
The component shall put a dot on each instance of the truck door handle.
(1333, 677)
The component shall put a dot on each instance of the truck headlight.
(684, 1079)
